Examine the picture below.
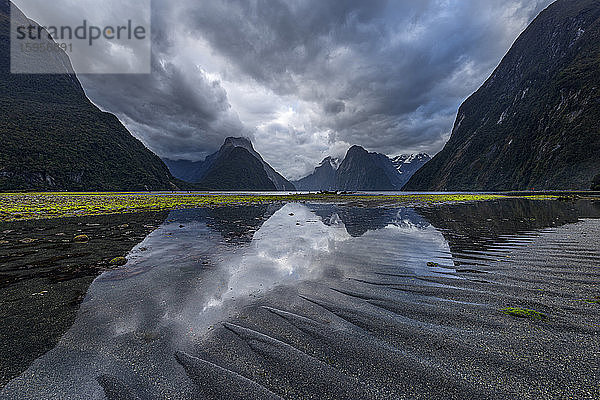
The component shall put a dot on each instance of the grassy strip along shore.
(27, 206)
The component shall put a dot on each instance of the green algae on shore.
(595, 300)
(118, 261)
(28, 206)
(524, 313)
(81, 239)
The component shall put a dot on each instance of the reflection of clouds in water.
(422, 244)
(180, 281)
(286, 249)
(160, 284)
(289, 248)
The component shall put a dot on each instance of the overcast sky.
(308, 78)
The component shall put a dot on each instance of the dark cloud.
(178, 113)
(335, 107)
(308, 78)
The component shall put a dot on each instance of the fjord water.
(315, 301)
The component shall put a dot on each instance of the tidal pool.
(305, 301)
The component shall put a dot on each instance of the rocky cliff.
(54, 138)
(535, 123)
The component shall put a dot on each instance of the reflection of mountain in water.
(44, 276)
(307, 310)
(238, 224)
(476, 226)
(187, 277)
(359, 221)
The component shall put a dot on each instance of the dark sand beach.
(487, 300)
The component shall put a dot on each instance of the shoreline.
(38, 206)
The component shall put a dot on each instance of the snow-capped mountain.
(410, 163)
(361, 170)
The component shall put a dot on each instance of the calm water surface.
(254, 302)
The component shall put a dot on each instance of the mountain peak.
(362, 170)
(333, 162)
(239, 142)
(356, 149)
(410, 158)
(102, 154)
(229, 168)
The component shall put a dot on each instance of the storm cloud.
(308, 78)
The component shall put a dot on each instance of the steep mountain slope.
(187, 171)
(279, 181)
(596, 183)
(54, 138)
(362, 170)
(220, 164)
(323, 177)
(236, 169)
(535, 123)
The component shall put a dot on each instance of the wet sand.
(45, 274)
(383, 335)
(376, 304)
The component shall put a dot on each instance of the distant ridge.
(236, 166)
(236, 169)
(361, 170)
(408, 164)
(323, 177)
